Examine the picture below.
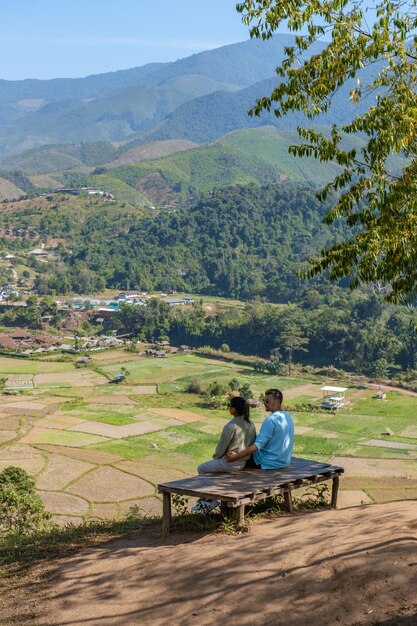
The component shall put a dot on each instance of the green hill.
(56, 157)
(258, 156)
(9, 189)
(225, 243)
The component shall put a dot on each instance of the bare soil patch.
(22, 456)
(310, 389)
(24, 408)
(58, 420)
(7, 435)
(179, 414)
(118, 432)
(9, 423)
(373, 467)
(59, 472)
(351, 567)
(151, 472)
(104, 510)
(114, 356)
(63, 503)
(84, 378)
(107, 484)
(149, 507)
(352, 497)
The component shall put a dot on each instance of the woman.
(238, 434)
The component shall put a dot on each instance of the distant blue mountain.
(198, 98)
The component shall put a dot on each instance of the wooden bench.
(241, 488)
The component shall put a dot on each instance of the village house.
(158, 354)
(21, 340)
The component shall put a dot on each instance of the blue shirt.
(275, 441)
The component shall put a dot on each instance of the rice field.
(95, 448)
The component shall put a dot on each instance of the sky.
(73, 38)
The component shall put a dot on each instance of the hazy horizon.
(73, 39)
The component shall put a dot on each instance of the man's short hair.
(276, 393)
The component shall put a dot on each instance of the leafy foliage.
(22, 511)
(377, 202)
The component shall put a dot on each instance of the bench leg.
(166, 514)
(240, 515)
(224, 509)
(288, 500)
(335, 490)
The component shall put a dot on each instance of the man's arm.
(262, 439)
(235, 456)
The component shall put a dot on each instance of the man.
(273, 446)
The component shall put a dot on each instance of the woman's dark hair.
(241, 406)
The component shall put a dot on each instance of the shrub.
(246, 391)
(196, 386)
(21, 509)
(215, 394)
(234, 384)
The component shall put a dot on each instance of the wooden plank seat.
(237, 489)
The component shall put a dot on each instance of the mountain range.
(65, 128)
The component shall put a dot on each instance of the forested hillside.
(246, 242)
(241, 241)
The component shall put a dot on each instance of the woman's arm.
(224, 442)
(265, 434)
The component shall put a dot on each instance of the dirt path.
(406, 392)
(352, 567)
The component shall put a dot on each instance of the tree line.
(330, 327)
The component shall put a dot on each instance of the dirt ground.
(356, 566)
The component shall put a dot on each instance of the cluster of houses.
(101, 343)
(8, 292)
(163, 348)
(105, 307)
(70, 191)
(89, 191)
(26, 343)
(18, 233)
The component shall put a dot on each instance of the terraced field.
(95, 449)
